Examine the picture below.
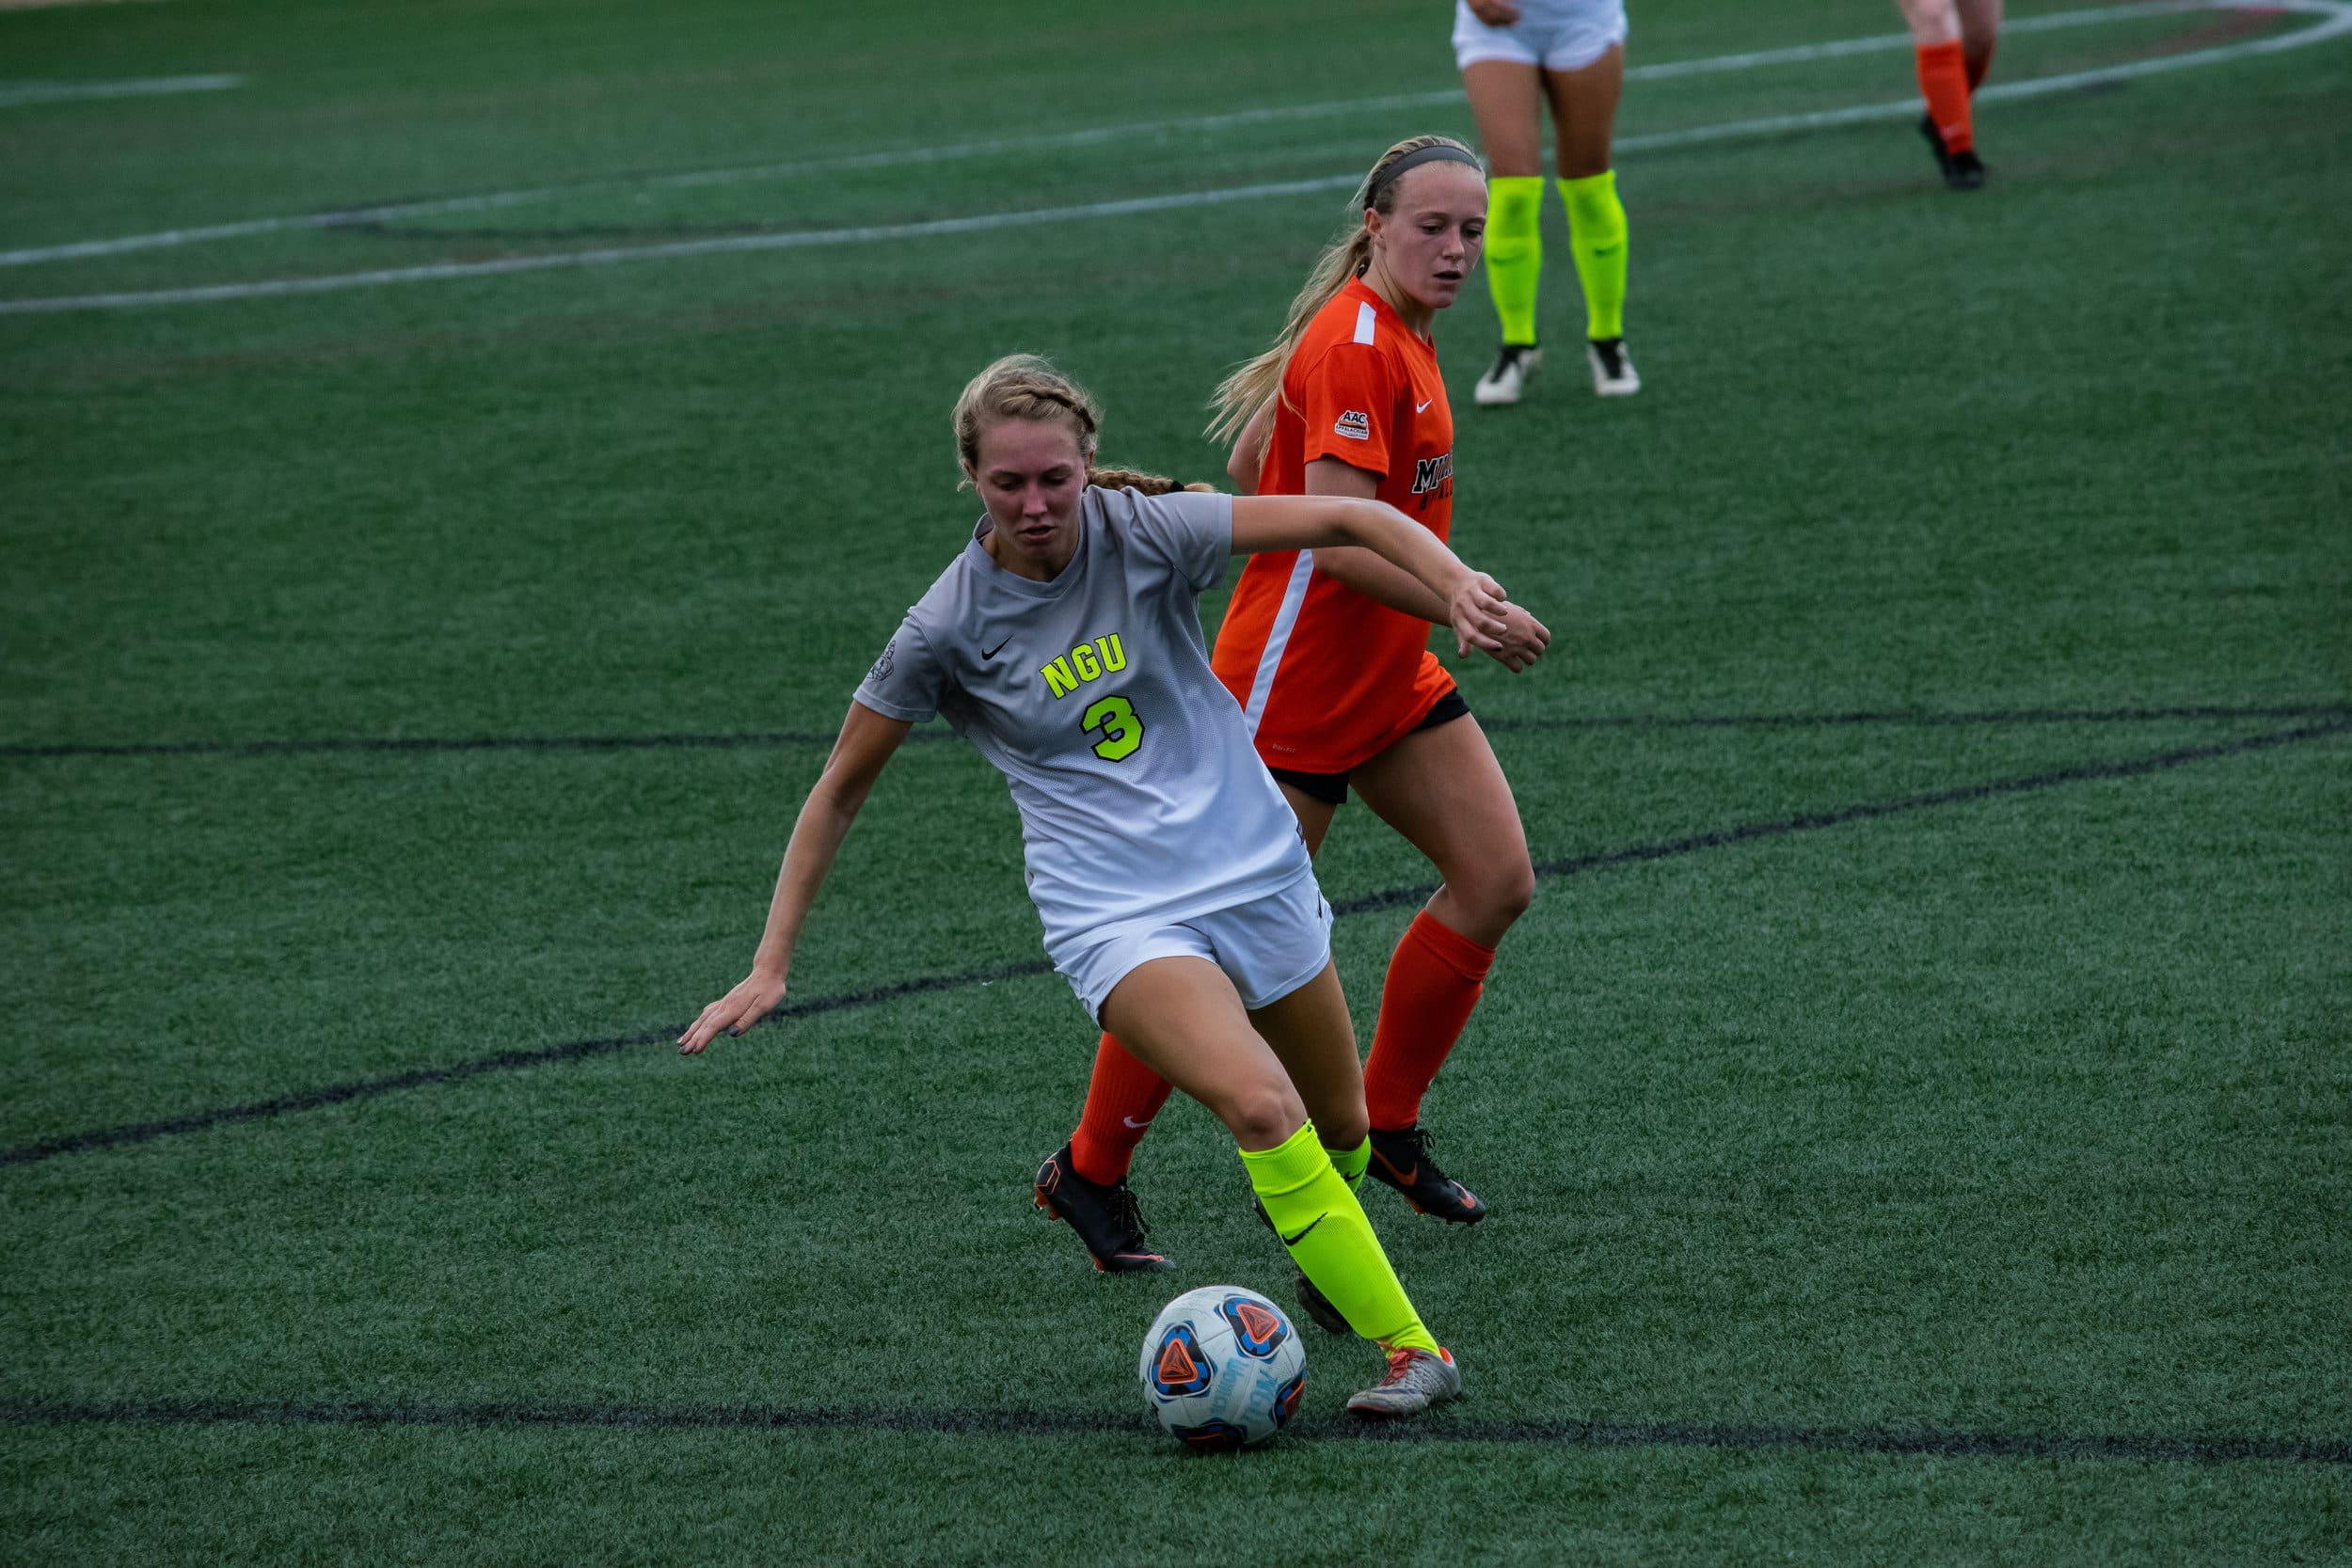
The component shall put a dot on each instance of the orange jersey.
(1326, 677)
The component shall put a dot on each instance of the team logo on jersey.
(881, 665)
(1355, 426)
(1431, 472)
(1088, 661)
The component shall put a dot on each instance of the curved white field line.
(15, 94)
(2336, 21)
(1090, 136)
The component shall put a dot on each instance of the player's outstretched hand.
(1478, 615)
(1523, 642)
(754, 998)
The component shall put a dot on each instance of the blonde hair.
(1027, 387)
(1243, 392)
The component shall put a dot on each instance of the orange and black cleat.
(1105, 1217)
(1401, 1158)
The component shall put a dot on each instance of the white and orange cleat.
(1416, 1379)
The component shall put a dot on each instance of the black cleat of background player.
(1962, 171)
(1936, 145)
(1107, 1218)
(1400, 1159)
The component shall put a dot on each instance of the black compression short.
(1331, 788)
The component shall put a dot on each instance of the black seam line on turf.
(504, 1061)
(808, 737)
(508, 1061)
(2127, 767)
(1017, 1423)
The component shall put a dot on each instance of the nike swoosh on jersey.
(994, 651)
(1423, 407)
(1293, 1240)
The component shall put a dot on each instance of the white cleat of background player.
(1508, 378)
(1613, 375)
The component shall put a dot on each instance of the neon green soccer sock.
(1351, 1163)
(1596, 235)
(1320, 1221)
(1514, 251)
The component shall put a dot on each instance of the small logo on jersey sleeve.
(882, 666)
(1355, 426)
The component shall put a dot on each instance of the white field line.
(798, 240)
(1885, 42)
(12, 94)
(953, 151)
(2336, 22)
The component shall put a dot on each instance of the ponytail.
(1243, 392)
(1150, 484)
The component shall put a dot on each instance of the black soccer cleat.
(1936, 145)
(1966, 172)
(1311, 1300)
(1401, 1158)
(1107, 1218)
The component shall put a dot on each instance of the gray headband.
(1435, 153)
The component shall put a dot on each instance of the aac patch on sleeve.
(1355, 426)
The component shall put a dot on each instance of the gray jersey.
(1139, 793)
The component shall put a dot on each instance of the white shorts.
(1269, 947)
(1557, 35)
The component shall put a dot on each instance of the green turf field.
(1916, 1113)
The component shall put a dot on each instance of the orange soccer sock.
(1980, 66)
(1434, 981)
(1944, 82)
(1122, 1097)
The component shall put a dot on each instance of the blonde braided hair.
(1027, 387)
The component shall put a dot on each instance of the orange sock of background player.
(1979, 67)
(1944, 82)
(1434, 981)
(1122, 1097)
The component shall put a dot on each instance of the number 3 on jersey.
(1122, 731)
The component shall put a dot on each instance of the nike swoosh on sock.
(1293, 1240)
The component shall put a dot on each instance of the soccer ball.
(1222, 1367)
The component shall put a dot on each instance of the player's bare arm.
(866, 746)
(1474, 602)
(1523, 642)
(1248, 455)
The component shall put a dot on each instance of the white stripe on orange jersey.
(1364, 318)
(1278, 636)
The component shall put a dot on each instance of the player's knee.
(1582, 159)
(1262, 1115)
(1506, 892)
(1511, 158)
(1343, 1130)
(1932, 21)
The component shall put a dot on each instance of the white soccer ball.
(1222, 1367)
